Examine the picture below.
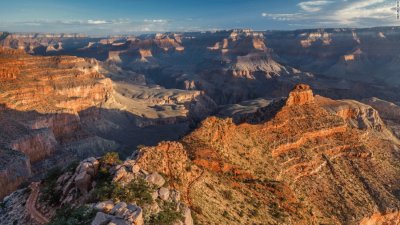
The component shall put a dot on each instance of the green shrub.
(78, 216)
(111, 158)
(136, 191)
(3, 205)
(72, 166)
(227, 195)
(253, 213)
(167, 216)
(275, 211)
(49, 192)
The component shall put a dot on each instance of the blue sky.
(143, 16)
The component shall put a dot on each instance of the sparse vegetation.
(275, 211)
(227, 195)
(71, 167)
(3, 205)
(167, 216)
(49, 192)
(136, 191)
(253, 213)
(68, 215)
(111, 158)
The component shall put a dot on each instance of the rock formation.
(300, 95)
(39, 109)
(285, 163)
(80, 186)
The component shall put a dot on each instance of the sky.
(100, 17)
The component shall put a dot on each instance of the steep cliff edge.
(39, 107)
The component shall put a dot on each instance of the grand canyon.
(232, 126)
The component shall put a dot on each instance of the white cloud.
(313, 6)
(346, 13)
(156, 21)
(96, 22)
(99, 26)
(282, 16)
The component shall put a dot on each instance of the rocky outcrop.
(39, 112)
(144, 54)
(300, 95)
(76, 186)
(389, 112)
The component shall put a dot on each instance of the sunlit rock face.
(39, 109)
(300, 95)
(300, 155)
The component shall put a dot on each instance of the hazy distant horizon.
(198, 31)
(142, 17)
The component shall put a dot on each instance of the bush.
(78, 216)
(72, 166)
(227, 195)
(167, 216)
(136, 191)
(111, 158)
(49, 192)
(3, 205)
(275, 211)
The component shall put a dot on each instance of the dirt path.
(33, 212)
(190, 187)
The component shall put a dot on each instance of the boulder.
(156, 179)
(135, 169)
(154, 195)
(119, 221)
(84, 167)
(119, 174)
(137, 218)
(187, 216)
(101, 219)
(175, 196)
(163, 193)
(83, 182)
(68, 185)
(155, 208)
(118, 208)
(132, 207)
(105, 206)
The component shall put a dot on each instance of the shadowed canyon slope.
(57, 109)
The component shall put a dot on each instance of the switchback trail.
(33, 212)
